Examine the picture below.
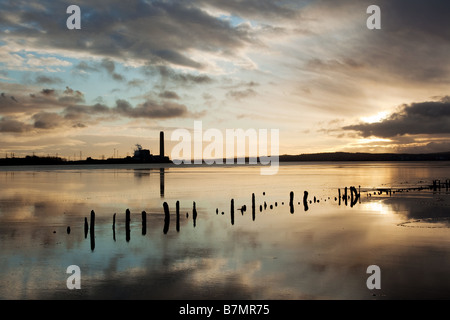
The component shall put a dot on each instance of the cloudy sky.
(310, 68)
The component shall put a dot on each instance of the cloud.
(47, 120)
(110, 67)
(241, 94)
(84, 67)
(43, 79)
(168, 73)
(156, 32)
(169, 95)
(151, 109)
(256, 9)
(10, 124)
(429, 117)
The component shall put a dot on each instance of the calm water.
(319, 253)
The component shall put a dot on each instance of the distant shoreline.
(313, 157)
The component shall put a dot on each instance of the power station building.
(144, 155)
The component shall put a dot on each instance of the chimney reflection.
(161, 182)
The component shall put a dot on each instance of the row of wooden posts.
(437, 185)
(89, 228)
(348, 195)
(353, 198)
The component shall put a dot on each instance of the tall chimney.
(161, 143)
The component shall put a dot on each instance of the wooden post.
(291, 202)
(353, 196)
(345, 196)
(92, 230)
(253, 206)
(86, 227)
(232, 211)
(166, 217)
(92, 221)
(127, 224)
(194, 214)
(144, 223)
(178, 216)
(114, 227)
(339, 191)
(305, 200)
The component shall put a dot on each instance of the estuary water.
(318, 247)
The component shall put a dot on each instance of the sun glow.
(375, 118)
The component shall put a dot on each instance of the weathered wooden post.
(114, 227)
(291, 202)
(92, 230)
(345, 196)
(166, 217)
(353, 196)
(194, 214)
(92, 221)
(253, 206)
(178, 216)
(144, 223)
(305, 200)
(232, 211)
(127, 224)
(86, 227)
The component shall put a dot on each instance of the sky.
(311, 69)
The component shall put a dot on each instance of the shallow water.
(319, 253)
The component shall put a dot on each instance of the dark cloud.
(47, 120)
(162, 32)
(151, 109)
(167, 73)
(413, 42)
(430, 117)
(48, 92)
(9, 124)
(47, 80)
(71, 96)
(7, 103)
(169, 95)
(110, 67)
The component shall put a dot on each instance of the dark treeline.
(49, 160)
(347, 156)
(332, 156)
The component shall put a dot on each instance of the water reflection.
(321, 251)
(161, 182)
